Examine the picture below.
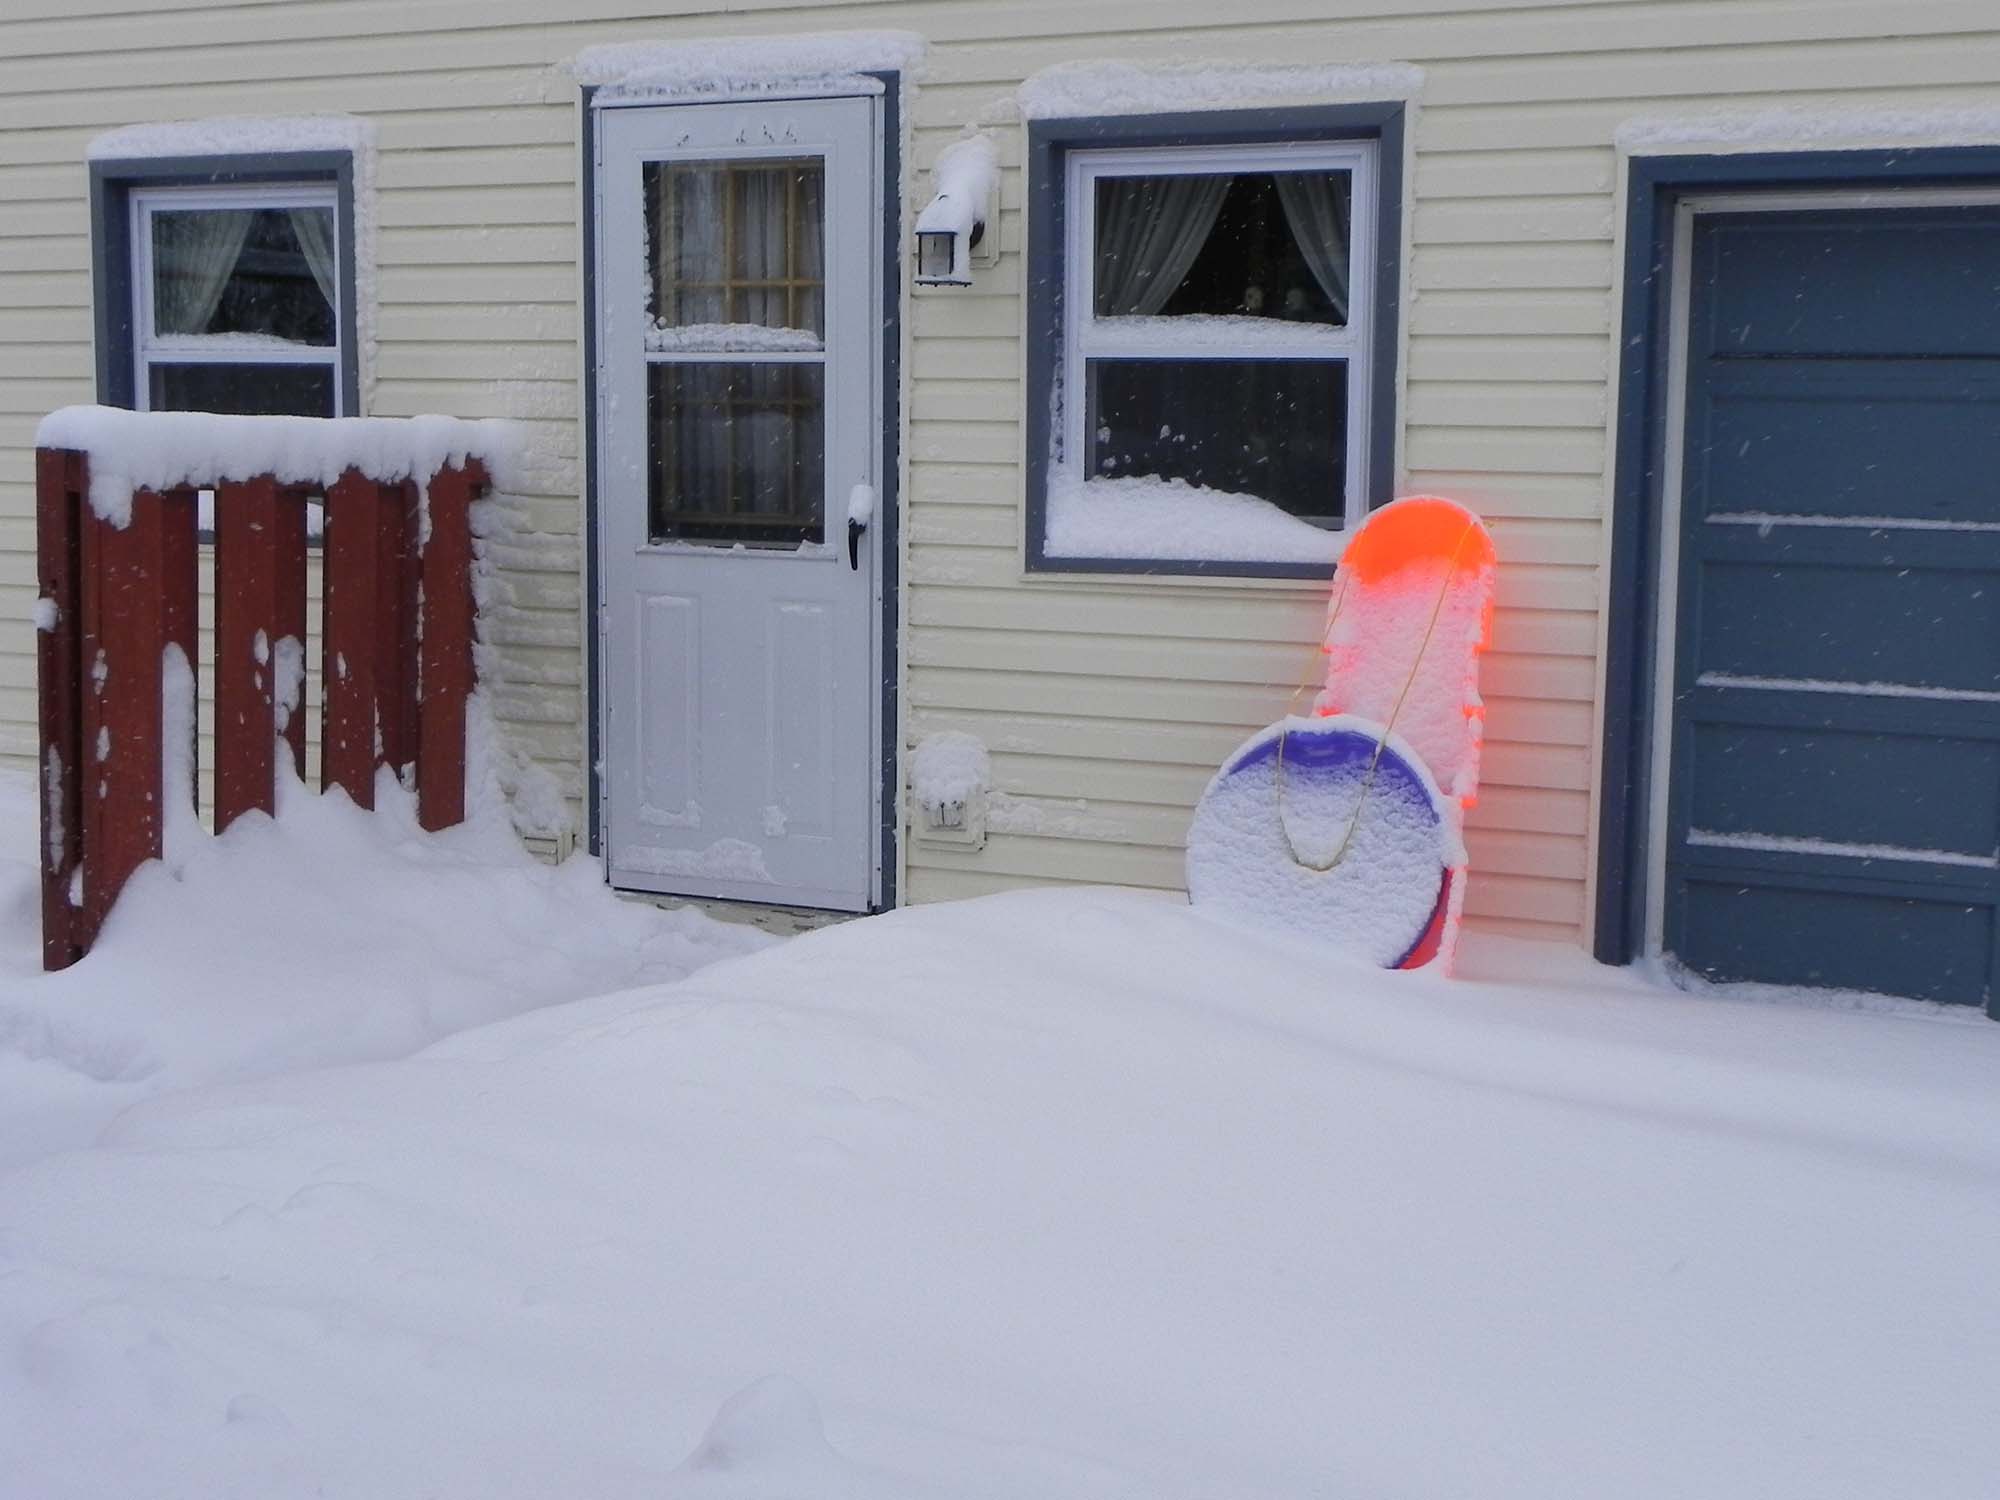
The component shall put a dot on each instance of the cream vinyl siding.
(1107, 704)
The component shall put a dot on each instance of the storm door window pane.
(1275, 429)
(736, 254)
(258, 390)
(1269, 245)
(736, 453)
(249, 276)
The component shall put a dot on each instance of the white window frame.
(1086, 337)
(149, 348)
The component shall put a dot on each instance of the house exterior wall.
(1107, 702)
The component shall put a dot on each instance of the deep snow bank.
(1057, 1194)
(326, 936)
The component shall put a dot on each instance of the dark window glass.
(261, 274)
(739, 242)
(1276, 429)
(1247, 244)
(736, 452)
(250, 390)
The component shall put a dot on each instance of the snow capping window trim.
(1050, 142)
(113, 181)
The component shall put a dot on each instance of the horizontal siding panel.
(1516, 174)
(1517, 220)
(1546, 404)
(1501, 359)
(1478, 311)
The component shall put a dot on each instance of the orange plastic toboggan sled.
(1410, 614)
(1351, 822)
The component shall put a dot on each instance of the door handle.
(860, 511)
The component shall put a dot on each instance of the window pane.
(736, 452)
(1276, 429)
(736, 251)
(253, 275)
(1246, 244)
(249, 390)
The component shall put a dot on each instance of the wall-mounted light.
(954, 224)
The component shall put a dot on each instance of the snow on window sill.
(206, 343)
(730, 338)
(1190, 332)
(1171, 521)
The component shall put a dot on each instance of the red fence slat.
(260, 570)
(447, 646)
(395, 643)
(128, 574)
(351, 591)
(61, 480)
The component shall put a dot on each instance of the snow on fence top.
(235, 136)
(1119, 88)
(721, 65)
(1764, 129)
(162, 450)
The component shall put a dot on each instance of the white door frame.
(886, 529)
(1674, 429)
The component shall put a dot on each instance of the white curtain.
(1149, 231)
(193, 256)
(313, 228)
(1316, 208)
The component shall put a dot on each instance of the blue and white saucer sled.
(1326, 826)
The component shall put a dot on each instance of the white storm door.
(738, 282)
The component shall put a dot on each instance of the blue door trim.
(1655, 187)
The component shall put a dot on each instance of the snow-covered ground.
(327, 936)
(1052, 1195)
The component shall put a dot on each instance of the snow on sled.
(1350, 824)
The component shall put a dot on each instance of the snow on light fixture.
(954, 224)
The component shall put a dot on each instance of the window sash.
(1088, 337)
(150, 347)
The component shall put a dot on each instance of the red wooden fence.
(396, 660)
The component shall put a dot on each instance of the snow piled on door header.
(823, 62)
(1089, 89)
(1804, 129)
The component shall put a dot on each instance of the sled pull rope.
(1374, 761)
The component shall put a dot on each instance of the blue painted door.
(1834, 803)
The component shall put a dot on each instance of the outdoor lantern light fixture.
(944, 256)
(953, 224)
